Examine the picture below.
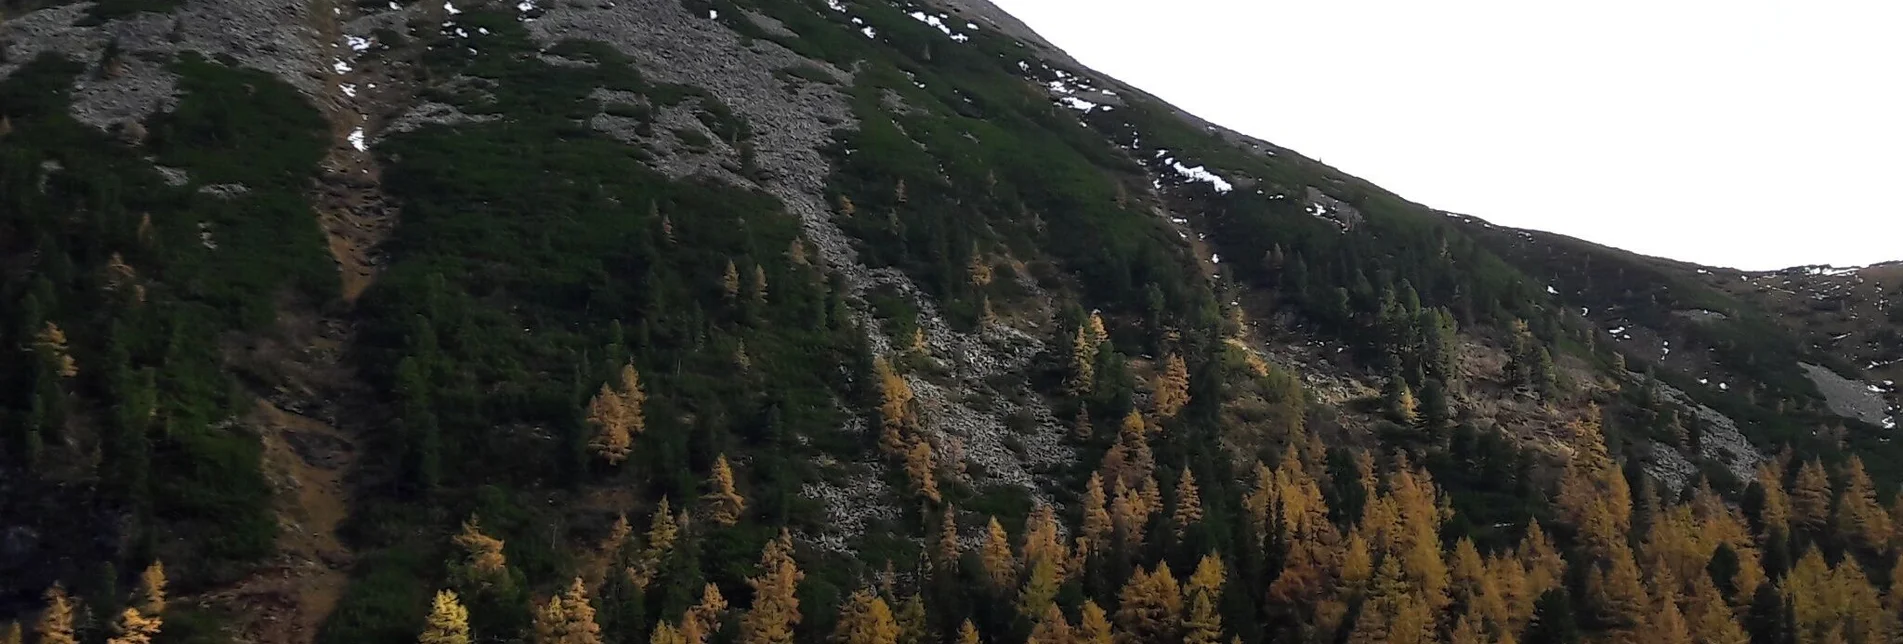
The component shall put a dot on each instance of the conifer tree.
(895, 399)
(968, 634)
(724, 504)
(1618, 596)
(1093, 625)
(1081, 429)
(1171, 388)
(1128, 516)
(150, 597)
(703, 619)
(1709, 619)
(1393, 612)
(1000, 567)
(1040, 588)
(1859, 516)
(1400, 402)
(1051, 627)
(1774, 512)
(1189, 504)
(665, 633)
(51, 343)
(1096, 521)
(1207, 579)
(730, 281)
(756, 289)
(1203, 625)
(921, 471)
(448, 621)
(608, 414)
(776, 605)
(134, 628)
(948, 549)
(1810, 497)
(1150, 606)
(866, 619)
(1040, 538)
(483, 564)
(659, 540)
(56, 621)
(12, 634)
(911, 619)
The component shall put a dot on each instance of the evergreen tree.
(134, 628)
(150, 597)
(1400, 402)
(1553, 621)
(1189, 504)
(1000, 567)
(866, 619)
(1810, 498)
(1859, 516)
(1171, 389)
(56, 621)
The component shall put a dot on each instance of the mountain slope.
(894, 280)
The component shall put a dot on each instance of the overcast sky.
(1739, 133)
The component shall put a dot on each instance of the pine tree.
(866, 619)
(922, 472)
(1810, 497)
(150, 597)
(448, 621)
(1189, 504)
(1000, 567)
(56, 622)
(1171, 388)
(776, 605)
(134, 628)
(724, 505)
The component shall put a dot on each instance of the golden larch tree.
(1810, 497)
(1040, 588)
(922, 471)
(776, 604)
(1096, 519)
(1189, 504)
(1041, 541)
(1171, 388)
(56, 621)
(663, 530)
(1208, 578)
(1394, 612)
(1093, 624)
(1709, 619)
(150, 596)
(1617, 594)
(448, 621)
(51, 342)
(608, 414)
(1150, 606)
(703, 619)
(968, 634)
(1775, 512)
(134, 628)
(895, 405)
(665, 633)
(1128, 515)
(1000, 566)
(730, 281)
(1859, 516)
(483, 564)
(12, 634)
(948, 549)
(757, 287)
(866, 619)
(724, 504)
(1203, 625)
(1051, 627)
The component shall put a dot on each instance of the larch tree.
(922, 471)
(448, 621)
(1093, 624)
(1081, 429)
(776, 604)
(1041, 541)
(1040, 588)
(1394, 611)
(968, 634)
(1810, 497)
(578, 616)
(1207, 579)
(608, 414)
(1096, 520)
(1203, 625)
(757, 287)
(1710, 620)
(1401, 407)
(866, 619)
(665, 633)
(1617, 593)
(895, 400)
(1859, 516)
(1189, 504)
(913, 628)
(703, 619)
(1051, 627)
(1774, 513)
(483, 565)
(12, 634)
(1150, 606)
(724, 504)
(56, 621)
(1000, 567)
(947, 552)
(1171, 389)
(663, 530)
(134, 628)
(730, 281)
(150, 597)
(50, 342)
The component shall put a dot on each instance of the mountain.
(800, 320)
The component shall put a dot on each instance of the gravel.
(1846, 397)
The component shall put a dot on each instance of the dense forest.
(593, 398)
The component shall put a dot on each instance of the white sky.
(1744, 133)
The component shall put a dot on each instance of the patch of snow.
(357, 43)
(1077, 103)
(1551, 291)
(1199, 173)
(204, 236)
(1215, 259)
(1617, 331)
(713, 14)
(1724, 386)
(451, 8)
(339, 66)
(939, 23)
(972, 26)
(869, 32)
(836, 5)
(482, 30)
(356, 140)
(349, 89)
